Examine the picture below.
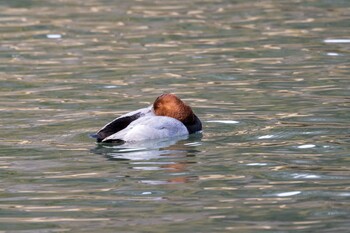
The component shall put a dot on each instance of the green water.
(268, 79)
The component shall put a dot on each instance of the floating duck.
(167, 117)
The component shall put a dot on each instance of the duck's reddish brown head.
(170, 105)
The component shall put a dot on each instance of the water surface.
(269, 80)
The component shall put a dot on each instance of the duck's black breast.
(195, 126)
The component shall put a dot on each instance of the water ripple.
(269, 80)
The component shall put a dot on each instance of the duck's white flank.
(149, 128)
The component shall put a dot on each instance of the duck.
(167, 117)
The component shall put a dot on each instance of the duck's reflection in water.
(170, 155)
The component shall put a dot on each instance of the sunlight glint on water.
(269, 80)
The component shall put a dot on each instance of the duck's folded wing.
(149, 128)
(121, 123)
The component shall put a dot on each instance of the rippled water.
(269, 79)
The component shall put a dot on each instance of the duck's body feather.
(149, 128)
(122, 122)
